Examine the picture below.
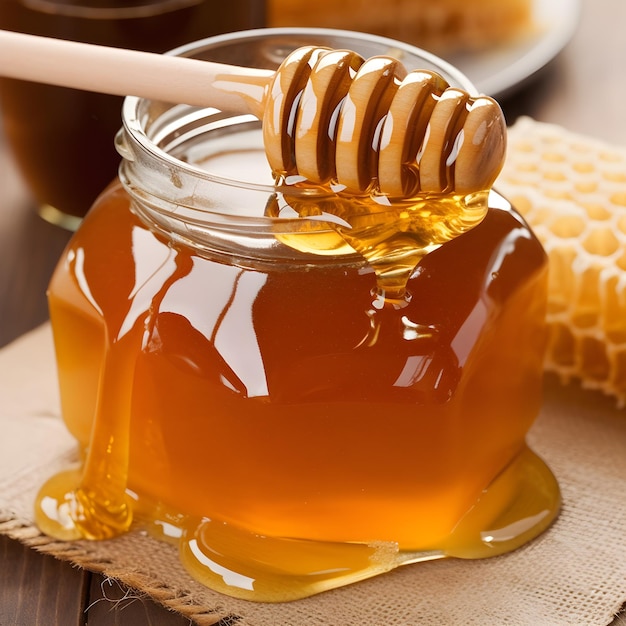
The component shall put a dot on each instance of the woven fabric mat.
(573, 574)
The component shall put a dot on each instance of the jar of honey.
(241, 385)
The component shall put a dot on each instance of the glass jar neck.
(200, 176)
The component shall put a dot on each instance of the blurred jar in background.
(441, 26)
(64, 148)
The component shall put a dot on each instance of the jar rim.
(132, 105)
(192, 204)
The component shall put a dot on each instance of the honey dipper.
(328, 115)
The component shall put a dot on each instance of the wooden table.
(584, 89)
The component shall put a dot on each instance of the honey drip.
(393, 237)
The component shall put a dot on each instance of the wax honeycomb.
(572, 191)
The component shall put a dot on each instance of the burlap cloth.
(573, 574)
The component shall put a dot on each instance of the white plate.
(497, 71)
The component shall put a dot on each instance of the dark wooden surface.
(40, 590)
(584, 89)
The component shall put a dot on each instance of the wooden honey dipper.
(328, 115)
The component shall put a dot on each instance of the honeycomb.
(572, 191)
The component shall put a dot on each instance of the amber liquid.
(62, 139)
(274, 422)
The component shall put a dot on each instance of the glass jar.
(238, 387)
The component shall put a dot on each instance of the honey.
(281, 396)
